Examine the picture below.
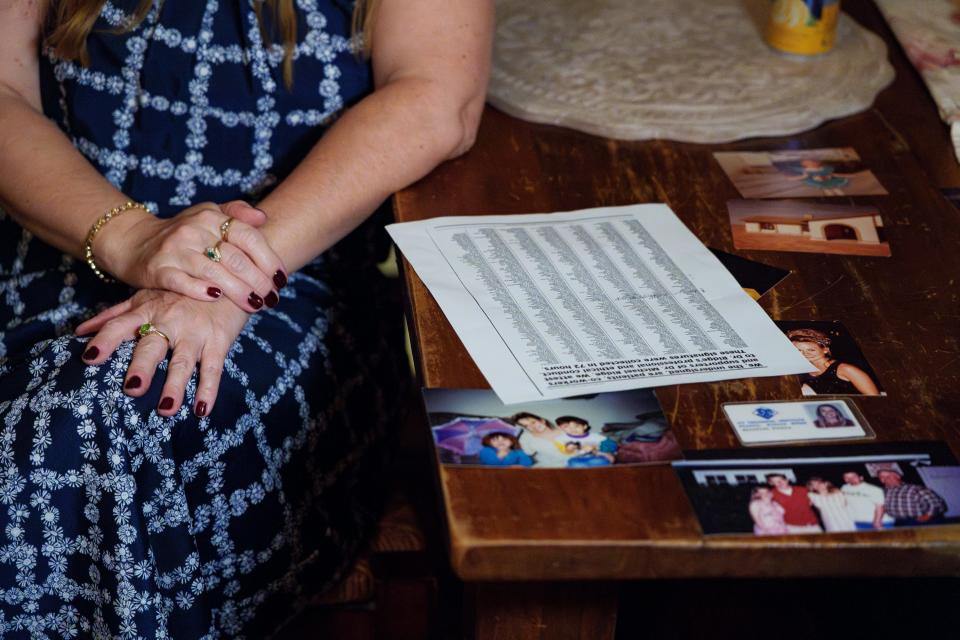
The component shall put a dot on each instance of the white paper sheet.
(562, 304)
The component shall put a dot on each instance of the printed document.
(565, 304)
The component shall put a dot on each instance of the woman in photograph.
(832, 376)
(141, 499)
(829, 415)
(831, 505)
(541, 439)
(503, 450)
(767, 515)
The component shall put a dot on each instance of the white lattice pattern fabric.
(116, 522)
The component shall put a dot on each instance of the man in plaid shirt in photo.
(910, 504)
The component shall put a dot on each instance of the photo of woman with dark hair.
(539, 439)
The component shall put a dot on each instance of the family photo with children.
(472, 427)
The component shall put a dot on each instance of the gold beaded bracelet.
(95, 229)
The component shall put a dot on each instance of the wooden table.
(527, 542)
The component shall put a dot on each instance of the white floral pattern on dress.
(116, 522)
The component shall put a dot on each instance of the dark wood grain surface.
(635, 522)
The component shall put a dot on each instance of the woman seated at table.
(175, 505)
(832, 377)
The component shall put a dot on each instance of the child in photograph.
(829, 415)
(539, 439)
(577, 430)
(831, 504)
(797, 511)
(821, 176)
(584, 458)
(813, 173)
(767, 515)
(832, 377)
(503, 450)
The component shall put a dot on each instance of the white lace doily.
(689, 70)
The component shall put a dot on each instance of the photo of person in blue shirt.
(503, 450)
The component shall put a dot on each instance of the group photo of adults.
(820, 494)
(820, 505)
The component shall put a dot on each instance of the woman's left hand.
(199, 331)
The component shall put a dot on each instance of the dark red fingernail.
(166, 404)
(272, 299)
(255, 301)
(213, 292)
(280, 279)
(91, 353)
(132, 383)
(201, 409)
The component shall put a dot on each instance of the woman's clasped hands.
(174, 254)
(199, 277)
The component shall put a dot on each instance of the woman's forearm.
(46, 185)
(431, 59)
(389, 140)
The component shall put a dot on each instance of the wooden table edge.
(829, 556)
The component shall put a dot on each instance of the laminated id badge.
(787, 421)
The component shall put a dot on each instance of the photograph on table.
(473, 427)
(824, 489)
(807, 173)
(788, 421)
(842, 369)
(808, 227)
(754, 277)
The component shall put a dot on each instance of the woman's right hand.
(169, 254)
(196, 333)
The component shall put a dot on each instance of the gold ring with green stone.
(213, 252)
(146, 329)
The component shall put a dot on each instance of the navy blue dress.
(117, 522)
